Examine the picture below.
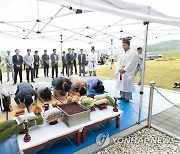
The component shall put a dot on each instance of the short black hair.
(35, 51)
(83, 91)
(139, 48)
(28, 100)
(54, 49)
(28, 49)
(63, 52)
(99, 88)
(67, 87)
(46, 94)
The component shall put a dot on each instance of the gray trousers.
(139, 69)
(81, 69)
(126, 95)
(70, 69)
(10, 69)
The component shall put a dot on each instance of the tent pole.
(61, 57)
(143, 70)
(111, 58)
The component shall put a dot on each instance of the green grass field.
(164, 73)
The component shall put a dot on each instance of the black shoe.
(37, 77)
(79, 74)
(175, 85)
(139, 83)
(28, 81)
(94, 74)
(14, 83)
(33, 81)
(47, 75)
(126, 100)
(90, 74)
(120, 98)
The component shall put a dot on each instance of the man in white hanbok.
(125, 71)
(92, 64)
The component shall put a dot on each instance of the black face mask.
(76, 89)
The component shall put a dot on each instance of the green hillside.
(164, 46)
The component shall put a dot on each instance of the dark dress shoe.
(120, 98)
(126, 100)
(175, 85)
(33, 81)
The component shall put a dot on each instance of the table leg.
(78, 140)
(83, 135)
(117, 121)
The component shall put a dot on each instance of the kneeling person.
(43, 90)
(94, 84)
(61, 86)
(79, 86)
(24, 94)
(5, 100)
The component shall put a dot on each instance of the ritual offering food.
(74, 114)
(37, 110)
(88, 102)
(20, 112)
(55, 104)
(69, 99)
(52, 115)
(98, 97)
(111, 101)
(101, 101)
(91, 95)
(10, 128)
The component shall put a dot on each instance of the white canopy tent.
(127, 10)
(30, 22)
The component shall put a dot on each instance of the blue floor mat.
(128, 119)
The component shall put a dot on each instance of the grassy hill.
(164, 46)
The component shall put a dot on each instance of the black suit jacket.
(83, 59)
(36, 59)
(17, 61)
(69, 58)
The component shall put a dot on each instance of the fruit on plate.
(37, 110)
(54, 104)
(69, 99)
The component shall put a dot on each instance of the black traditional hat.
(93, 48)
(126, 40)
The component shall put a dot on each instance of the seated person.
(24, 94)
(43, 90)
(5, 99)
(95, 84)
(61, 86)
(79, 86)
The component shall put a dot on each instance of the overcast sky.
(18, 10)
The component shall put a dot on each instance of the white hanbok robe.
(128, 61)
(92, 63)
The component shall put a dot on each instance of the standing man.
(45, 61)
(29, 61)
(36, 64)
(125, 70)
(64, 64)
(74, 60)
(92, 64)
(17, 62)
(82, 61)
(9, 65)
(69, 61)
(140, 63)
(0, 71)
(54, 63)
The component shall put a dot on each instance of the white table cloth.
(47, 132)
